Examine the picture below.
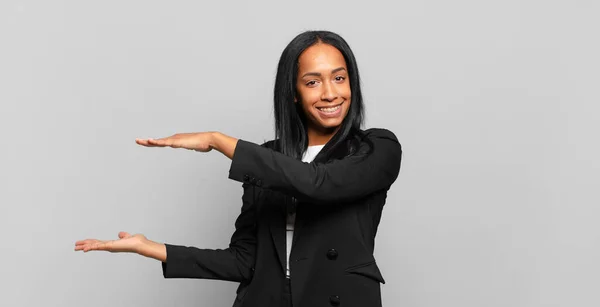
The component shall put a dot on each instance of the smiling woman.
(313, 196)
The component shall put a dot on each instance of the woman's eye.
(311, 83)
(340, 78)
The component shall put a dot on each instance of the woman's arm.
(337, 181)
(235, 263)
(341, 180)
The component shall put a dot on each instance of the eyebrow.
(318, 74)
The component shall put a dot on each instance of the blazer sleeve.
(235, 263)
(341, 180)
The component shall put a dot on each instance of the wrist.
(214, 139)
(151, 249)
(141, 246)
(223, 143)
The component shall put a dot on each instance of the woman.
(312, 198)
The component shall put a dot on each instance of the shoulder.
(385, 137)
(380, 133)
(271, 144)
(379, 142)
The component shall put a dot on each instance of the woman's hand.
(125, 244)
(199, 141)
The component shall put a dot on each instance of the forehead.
(320, 57)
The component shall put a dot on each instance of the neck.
(320, 136)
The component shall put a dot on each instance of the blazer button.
(246, 178)
(334, 300)
(332, 254)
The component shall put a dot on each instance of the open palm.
(125, 244)
(198, 141)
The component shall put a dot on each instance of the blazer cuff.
(240, 169)
(178, 264)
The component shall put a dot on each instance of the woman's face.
(323, 88)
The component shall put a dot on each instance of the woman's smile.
(330, 111)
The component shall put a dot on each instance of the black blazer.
(340, 202)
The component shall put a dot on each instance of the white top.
(309, 155)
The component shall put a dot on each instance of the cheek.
(307, 107)
(309, 98)
(308, 95)
(347, 93)
(344, 90)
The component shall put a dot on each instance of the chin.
(330, 125)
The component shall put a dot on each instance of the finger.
(92, 242)
(166, 142)
(86, 241)
(144, 142)
(95, 246)
(81, 247)
(123, 235)
(87, 248)
(159, 142)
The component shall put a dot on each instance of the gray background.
(494, 102)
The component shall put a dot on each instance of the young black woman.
(313, 197)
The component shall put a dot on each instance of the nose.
(329, 92)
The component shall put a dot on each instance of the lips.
(330, 109)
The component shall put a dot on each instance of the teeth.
(329, 110)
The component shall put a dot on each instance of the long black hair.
(290, 120)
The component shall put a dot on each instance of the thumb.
(124, 235)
